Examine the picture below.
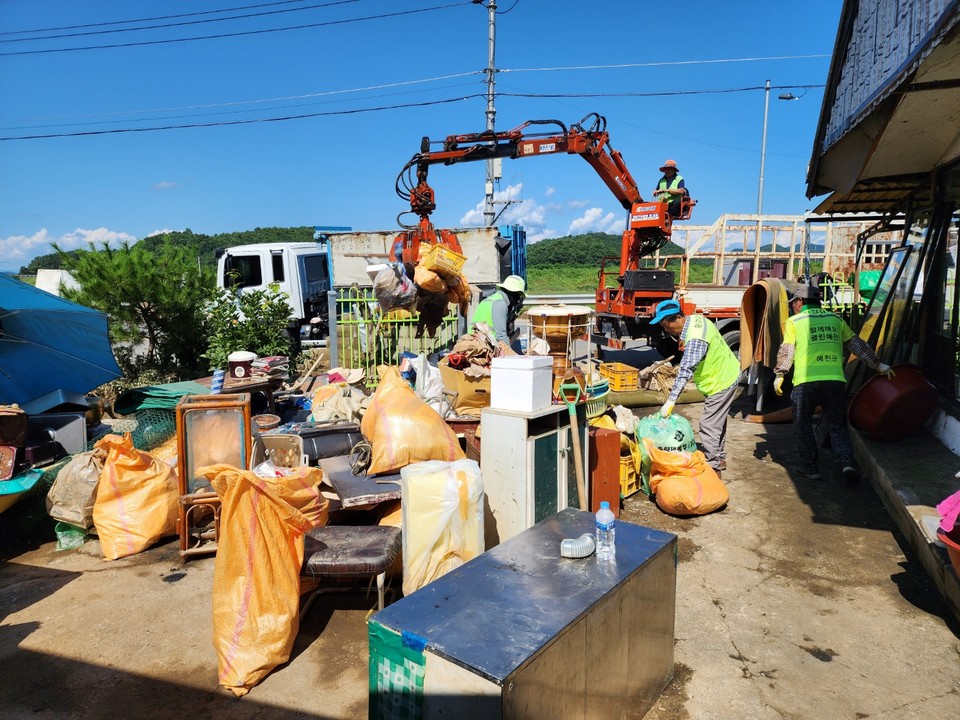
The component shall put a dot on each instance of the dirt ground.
(795, 601)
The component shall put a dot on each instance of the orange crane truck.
(625, 297)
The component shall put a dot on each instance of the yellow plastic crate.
(443, 261)
(629, 478)
(622, 377)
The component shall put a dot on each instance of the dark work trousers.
(713, 424)
(831, 395)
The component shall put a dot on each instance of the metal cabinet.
(520, 633)
(527, 465)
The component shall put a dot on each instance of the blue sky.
(339, 166)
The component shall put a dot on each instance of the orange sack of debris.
(136, 501)
(256, 575)
(683, 482)
(403, 429)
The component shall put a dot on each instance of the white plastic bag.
(442, 506)
(393, 289)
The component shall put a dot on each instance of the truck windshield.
(315, 267)
(242, 271)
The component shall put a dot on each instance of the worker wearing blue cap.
(714, 368)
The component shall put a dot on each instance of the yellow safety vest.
(818, 337)
(720, 368)
(665, 184)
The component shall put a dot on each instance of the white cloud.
(549, 192)
(159, 232)
(24, 248)
(594, 220)
(577, 203)
(164, 185)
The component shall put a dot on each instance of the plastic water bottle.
(216, 385)
(606, 532)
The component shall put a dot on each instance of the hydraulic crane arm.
(648, 224)
(592, 144)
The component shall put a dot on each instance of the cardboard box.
(523, 383)
(473, 394)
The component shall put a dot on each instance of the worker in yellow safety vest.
(714, 368)
(671, 189)
(499, 311)
(815, 342)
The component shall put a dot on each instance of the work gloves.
(667, 409)
(886, 371)
(778, 385)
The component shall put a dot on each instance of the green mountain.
(204, 245)
(585, 249)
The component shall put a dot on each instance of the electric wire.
(663, 93)
(236, 103)
(149, 19)
(662, 63)
(263, 31)
(180, 24)
(251, 121)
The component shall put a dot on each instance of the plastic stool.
(349, 551)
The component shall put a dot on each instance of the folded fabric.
(949, 511)
(162, 397)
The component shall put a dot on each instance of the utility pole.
(488, 212)
(763, 147)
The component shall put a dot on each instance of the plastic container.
(443, 261)
(241, 364)
(622, 377)
(892, 409)
(597, 406)
(606, 532)
(629, 480)
(951, 541)
(521, 383)
(216, 385)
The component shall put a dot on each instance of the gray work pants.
(713, 424)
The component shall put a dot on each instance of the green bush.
(255, 321)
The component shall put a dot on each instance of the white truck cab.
(301, 270)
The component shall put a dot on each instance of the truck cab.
(301, 270)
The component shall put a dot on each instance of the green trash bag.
(673, 434)
(69, 537)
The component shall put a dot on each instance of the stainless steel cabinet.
(520, 633)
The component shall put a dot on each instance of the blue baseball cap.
(665, 309)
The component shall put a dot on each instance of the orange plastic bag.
(429, 280)
(256, 575)
(683, 482)
(403, 429)
(136, 501)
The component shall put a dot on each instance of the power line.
(241, 122)
(149, 19)
(663, 63)
(182, 24)
(328, 23)
(207, 106)
(664, 93)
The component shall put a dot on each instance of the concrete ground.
(799, 600)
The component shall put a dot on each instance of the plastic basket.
(629, 478)
(596, 406)
(622, 377)
(442, 260)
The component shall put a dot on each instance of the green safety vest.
(818, 337)
(484, 311)
(720, 368)
(665, 184)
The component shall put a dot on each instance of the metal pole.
(763, 147)
(488, 212)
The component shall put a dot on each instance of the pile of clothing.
(474, 352)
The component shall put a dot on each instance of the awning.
(877, 152)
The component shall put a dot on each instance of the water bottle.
(606, 532)
(216, 385)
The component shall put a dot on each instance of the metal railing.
(362, 336)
